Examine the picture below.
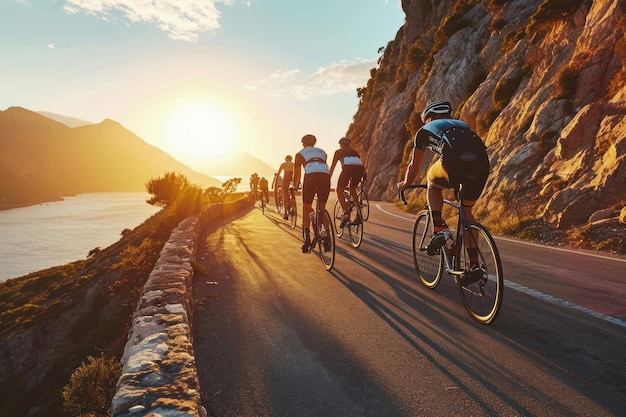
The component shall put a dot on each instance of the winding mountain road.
(277, 335)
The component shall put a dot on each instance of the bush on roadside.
(91, 388)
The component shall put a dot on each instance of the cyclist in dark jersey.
(316, 181)
(264, 187)
(287, 168)
(351, 173)
(463, 160)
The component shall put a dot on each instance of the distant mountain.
(66, 120)
(241, 164)
(43, 160)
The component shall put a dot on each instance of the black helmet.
(344, 141)
(308, 140)
(437, 108)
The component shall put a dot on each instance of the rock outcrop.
(541, 81)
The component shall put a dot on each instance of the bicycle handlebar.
(409, 187)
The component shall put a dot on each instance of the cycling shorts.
(350, 174)
(472, 186)
(315, 183)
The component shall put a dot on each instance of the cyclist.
(287, 167)
(316, 181)
(463, 160)
(264, 187)
(277, 184)
(254, 185)
(351, 173)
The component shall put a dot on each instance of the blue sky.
(197, 78)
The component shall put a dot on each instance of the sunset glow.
(201, 131)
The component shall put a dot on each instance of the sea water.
(51, 234)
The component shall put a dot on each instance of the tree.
(166, 190)
(230, 186)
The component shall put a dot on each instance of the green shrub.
(91, 387)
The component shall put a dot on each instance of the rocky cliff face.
(542, 82)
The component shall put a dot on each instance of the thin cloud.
(337, 78)
(181, 20)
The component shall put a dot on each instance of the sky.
(199, 79)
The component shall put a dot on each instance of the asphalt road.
(277, 335)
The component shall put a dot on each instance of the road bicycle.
(355, 220)
(292, 207)
(278, 192)
(483, 298)
(364, 202)
(263, 202)
(322, 235)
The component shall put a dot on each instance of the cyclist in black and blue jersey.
(463, 160)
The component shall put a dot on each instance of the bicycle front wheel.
(429, 268)
(326, 245)
(338, 218)
(356, 224)
(483, 298)
(364, 202)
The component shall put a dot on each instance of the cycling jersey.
(463, 154)
(347, 156)
(314, 160)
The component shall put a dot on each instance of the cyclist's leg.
(308, 193)
(323, 192)
(437, 181)
(342, 183)
(356, 173)
(285, 191)
(472, 189)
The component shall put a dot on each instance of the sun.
(201, 131)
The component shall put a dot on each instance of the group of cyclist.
(462, 160)
(259, 187)
(317, 174)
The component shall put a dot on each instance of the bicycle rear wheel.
(429, 268)
(279, 205)
(355, 228)
(364, 202)
(338, 218)
(326, 245)
(483, 298)
(293, 213)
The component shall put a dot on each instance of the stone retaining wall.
(159, 376)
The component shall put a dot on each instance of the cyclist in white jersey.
(316, 181)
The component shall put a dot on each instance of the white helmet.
(438, 108)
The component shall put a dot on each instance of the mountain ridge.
(42, 159)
